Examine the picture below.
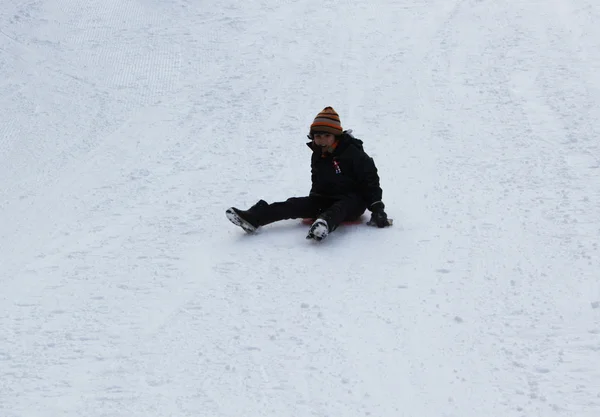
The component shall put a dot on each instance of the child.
(344, 184)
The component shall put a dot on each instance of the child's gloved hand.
(378, 215)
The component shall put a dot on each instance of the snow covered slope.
(128, 127)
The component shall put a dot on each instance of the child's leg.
(348, 208)
(292, 208)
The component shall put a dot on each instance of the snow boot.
(246, 219)
(319, 230)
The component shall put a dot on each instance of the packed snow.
(128, 127)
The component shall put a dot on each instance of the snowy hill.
(128, 127)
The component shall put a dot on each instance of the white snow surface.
(129, 126)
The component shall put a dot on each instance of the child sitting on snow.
(344, 184)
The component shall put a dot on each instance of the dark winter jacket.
(347, 171)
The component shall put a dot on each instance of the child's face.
(323, 139)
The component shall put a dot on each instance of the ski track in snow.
(128, 128)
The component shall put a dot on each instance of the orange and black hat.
(327, 121)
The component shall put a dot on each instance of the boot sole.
(317, 237)
(238, 221)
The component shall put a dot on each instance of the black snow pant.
(333, 210)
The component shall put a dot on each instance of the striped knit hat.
(327, 121)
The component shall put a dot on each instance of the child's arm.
(371, 188)
(373, 193)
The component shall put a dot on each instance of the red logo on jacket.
(337, 167)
